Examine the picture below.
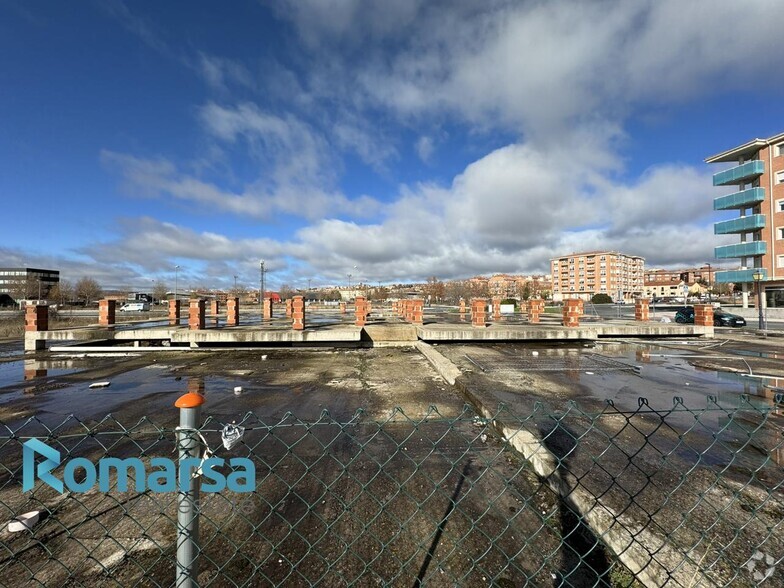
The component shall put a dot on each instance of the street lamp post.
(176, 271)
(758, 276)
(235, 284)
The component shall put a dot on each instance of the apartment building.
(581, 275)
(757, 177)
(667, 283)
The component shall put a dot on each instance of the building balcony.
(740, 174)
(749, 249)
(738, 276)
(742, 199)
(744, 224)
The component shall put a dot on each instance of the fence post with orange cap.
(188, 491)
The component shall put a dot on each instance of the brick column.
(535, 308)
(214, 308)
(571, 312)
(496, 308)
(342, 308)
(288, 307)
(36, 317)
(196, 314)
(267, 313)
(417, 311)
(703, 315)
(360, 311)
(106, 312)
(368, 306)
(462, 309)
(232, 312)
(641, 309)
(174, 312)
(297, 305)
(478, 312)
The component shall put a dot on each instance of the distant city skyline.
(388, 140)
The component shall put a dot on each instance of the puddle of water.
(13, 372)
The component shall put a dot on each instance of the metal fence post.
(188, 495)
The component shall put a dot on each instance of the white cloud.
(424, 148)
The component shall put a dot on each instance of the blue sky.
(405, 138)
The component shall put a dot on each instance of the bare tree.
(61, 292)
(434, 289)
(286, 292)
(87, 289)
(159, 291)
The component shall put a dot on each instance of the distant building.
(24, 283)
(672, 283)
(758, 176)
(581, 275)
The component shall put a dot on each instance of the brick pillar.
(196, 314)
(571, 312)
(232, 312)
(36, 317)
(462, 309)
(342, 308)
(174, 312)
(703, 315)
(478, 312)
(535, 309)
(288, 307)
(297, 312)
(214, 308)
(196, 385)
(106, 312)
(368, 307)
(267, 313)
(417, 311)
(360, 311)
(496, 308)
(641, 309)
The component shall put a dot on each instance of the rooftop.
(744, 150)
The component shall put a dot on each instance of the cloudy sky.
(405, 138)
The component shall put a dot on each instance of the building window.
(779, 232)
(780, 261)
(779, 149)
(780, 205)
(780, 177)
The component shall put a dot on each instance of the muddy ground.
(430, 495)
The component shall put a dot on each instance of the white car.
(135, 307)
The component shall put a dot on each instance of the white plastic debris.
(589, 373)
(231, 435)
(263, 358)
(24, 522)
(237, 390)
(100, 385)
(666, 319)
(483, 437)
(534, 353)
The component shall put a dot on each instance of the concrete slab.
(391, 335)
(452, 332)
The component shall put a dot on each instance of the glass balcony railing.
(744, 224)
(740, 174)
(741, 250)
(738, 276)
(742, 199)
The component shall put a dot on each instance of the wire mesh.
(553, 497)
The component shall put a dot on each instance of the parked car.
(721, 318)
(135, 307)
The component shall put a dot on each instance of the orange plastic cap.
(189, 400)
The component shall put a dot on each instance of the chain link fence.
(567, 497)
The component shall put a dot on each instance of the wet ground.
(431, 494)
